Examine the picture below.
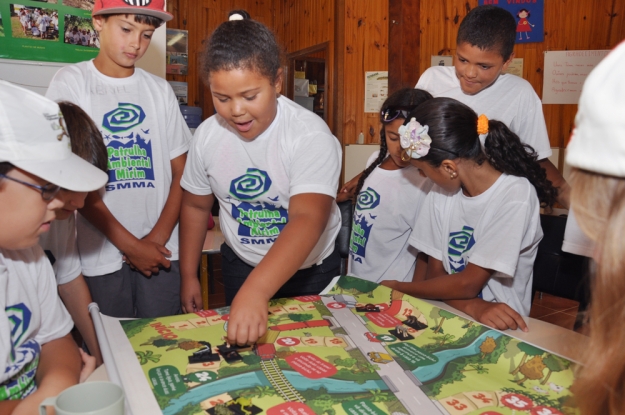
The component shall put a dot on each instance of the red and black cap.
(154, 8)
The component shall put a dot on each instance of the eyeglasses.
(390, 114)
(48, 191)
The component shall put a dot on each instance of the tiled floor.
(555, 310)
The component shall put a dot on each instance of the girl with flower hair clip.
(390, 192)
(480, 224)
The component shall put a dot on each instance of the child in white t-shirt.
(59, 243)
(480, 224)
(38, 357)
(390, 195)
(274, 168)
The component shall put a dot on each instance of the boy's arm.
(439, 285)
(556, 179)
(308, 217)
(498, 315)
(194, 214)
(59, 368)
(76, 297)
(145, 255)
(171, 211)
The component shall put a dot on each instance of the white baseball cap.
(33, 138)
(598, 140)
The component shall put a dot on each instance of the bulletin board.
(49, 31)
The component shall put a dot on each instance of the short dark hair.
(489, 28)
(155, 22)
(85, 137)
(242, 44)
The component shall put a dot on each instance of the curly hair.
(406, 99)
(453, 129)
(242, 44)
(489, 28)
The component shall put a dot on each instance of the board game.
(361, 349)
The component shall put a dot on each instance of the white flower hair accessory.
(414, 139)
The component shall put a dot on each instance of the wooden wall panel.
(365, 49)
(302, 24)
(582, 24)
(201, 18)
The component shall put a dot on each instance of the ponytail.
(454, 133)
(372, 166)
(506, 153)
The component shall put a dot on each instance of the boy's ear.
(508, 62)
(279, 80)
(97, 22)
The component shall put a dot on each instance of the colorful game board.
(362, 349)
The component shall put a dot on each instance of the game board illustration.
(361, 349)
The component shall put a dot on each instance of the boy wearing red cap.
(128, 233)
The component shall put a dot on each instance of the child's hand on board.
(248, 318)
(190, 295)
(88, 365)
(497, 315)
(392, 284)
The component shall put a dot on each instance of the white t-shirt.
(387, 208)
(575, 240)
(32, 315)
(143, 130)
(59, 244)
(510, 99)
(254, 180)
(498, 230)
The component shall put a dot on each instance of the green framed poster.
(47, 30)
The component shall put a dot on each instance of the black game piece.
(205, 354)
(401, 332)
(225, 348)
(411, 321)
(231, 356)
(368, 308)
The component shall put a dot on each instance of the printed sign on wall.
(49, 31)
(529, 15)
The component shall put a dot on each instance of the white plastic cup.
(89, 398)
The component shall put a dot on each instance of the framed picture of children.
(529, 18)
(79, 31)
(35, 30)
(34, 23)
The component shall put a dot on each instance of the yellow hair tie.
(482, 124)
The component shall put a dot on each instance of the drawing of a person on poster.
(524, 25)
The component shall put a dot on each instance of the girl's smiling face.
(247, 100)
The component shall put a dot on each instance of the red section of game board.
(517, 401)
(310, 366)
(290, 408)
(383, 319)
(307, 298)
(317, 323)
(287, 327)
(395, 307)
(206, 313)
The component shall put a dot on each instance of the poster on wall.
(529, 15)
(565, 74)
(49, 31)
(376, 90)
(177, 51)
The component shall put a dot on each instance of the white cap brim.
(73, 173)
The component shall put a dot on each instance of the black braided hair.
(453, 129)
(404, 99)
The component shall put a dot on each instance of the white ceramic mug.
(89, 398)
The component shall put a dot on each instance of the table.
(551, 338)
(212, 244)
